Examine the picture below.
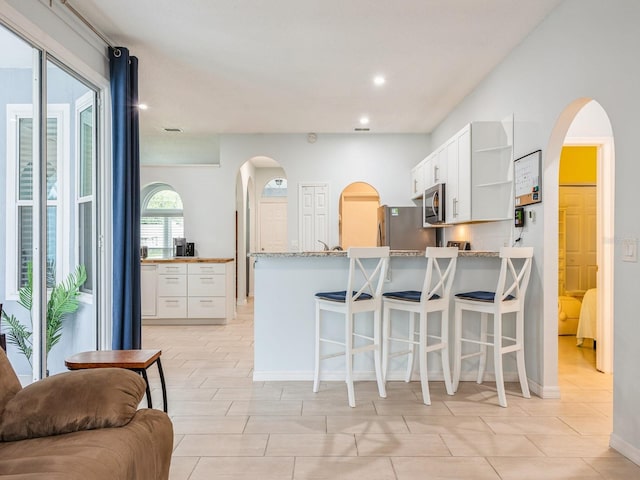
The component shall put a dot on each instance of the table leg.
(146, 380)
(164, 386)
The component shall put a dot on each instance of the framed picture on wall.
(528, 179)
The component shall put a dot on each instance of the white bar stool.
(510, 299)
(365, 285)
(434, 297)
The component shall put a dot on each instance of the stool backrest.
(367, 278)
(441, 268)
(513, 280)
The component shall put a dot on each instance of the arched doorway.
(253, 176)
(583, 122)
(358, 224)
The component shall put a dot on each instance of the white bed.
(587, 324)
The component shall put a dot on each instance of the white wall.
(584, 50)
(209, 193)
(383, 161)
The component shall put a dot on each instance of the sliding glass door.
(48, 171)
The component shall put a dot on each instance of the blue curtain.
(127, 323)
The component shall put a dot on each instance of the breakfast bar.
(284, 310)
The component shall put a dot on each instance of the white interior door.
(579, 203)
(273, 226)
(314, 216)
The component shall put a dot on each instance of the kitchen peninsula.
(187, 291)
(284, 308)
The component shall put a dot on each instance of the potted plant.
(63, 301)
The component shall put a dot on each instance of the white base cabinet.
(188, 293)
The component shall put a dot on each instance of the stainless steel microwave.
(433, 202)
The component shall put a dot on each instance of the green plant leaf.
(18, 335)
(63, 301)
(25, 293)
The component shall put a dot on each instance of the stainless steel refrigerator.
(401, 229)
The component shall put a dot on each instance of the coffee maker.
(179, 247)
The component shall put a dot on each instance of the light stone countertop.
(394, 253)
(185, 260)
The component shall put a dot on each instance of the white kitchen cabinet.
(476, 166)
(189, 292)
(149, 290)
(417, 180)
(458, 187)
(492, 170)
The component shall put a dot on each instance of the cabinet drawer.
(207, 285)
(172, 268)
(172, 285)
(172, 307)
(206, 268)
(206, 307)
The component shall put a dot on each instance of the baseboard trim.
(625, 448)
(362, 376)
(544, 392)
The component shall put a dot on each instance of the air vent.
(173, 130)
(361, 129)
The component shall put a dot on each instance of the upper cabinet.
(476, 164)
(417, 180)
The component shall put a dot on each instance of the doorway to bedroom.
(585, 287)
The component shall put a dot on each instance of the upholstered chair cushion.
(341, 296)
(9, 383)
(70, 402)
(409, 295)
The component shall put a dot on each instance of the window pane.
(86, 151)
(25, 242)
(25, 155)
(275, 188)
(86, 245)
(157, 233)
(165, 199)
(52, 159)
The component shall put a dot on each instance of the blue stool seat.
(408, 295)
(341, 296)
(481, 296)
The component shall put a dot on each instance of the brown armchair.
(81, 425)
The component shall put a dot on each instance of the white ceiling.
(267, 66)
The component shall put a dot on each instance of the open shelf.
(501, 182)
(493, 149)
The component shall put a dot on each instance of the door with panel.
(273, 227)
(314, 216)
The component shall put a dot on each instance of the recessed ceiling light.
(379, 80)
(143, 106)
(364, 120)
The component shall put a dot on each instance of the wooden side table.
(136, 360)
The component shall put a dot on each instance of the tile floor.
(229, 427)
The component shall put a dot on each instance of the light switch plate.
(629, 250)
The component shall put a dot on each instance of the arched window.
(161, 219)
(277, 187)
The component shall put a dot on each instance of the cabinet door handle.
(171, 278)
(435, 173)
(171, 301)
(455, 207)
(206, 278)
(206, 301)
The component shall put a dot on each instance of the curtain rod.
(89, 25)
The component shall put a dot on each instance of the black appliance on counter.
(400, 228)
(182, 248)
